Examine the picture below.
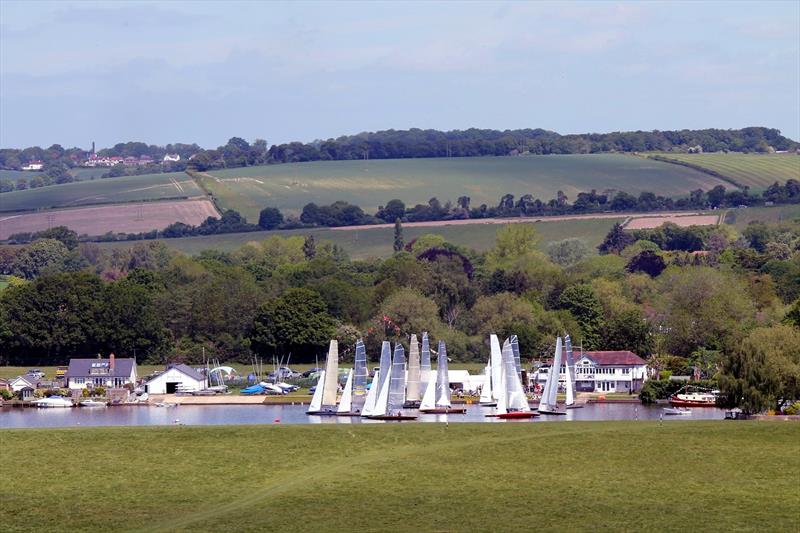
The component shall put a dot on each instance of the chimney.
(111, 362)
(93, 152)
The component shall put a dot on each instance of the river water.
(201, 415)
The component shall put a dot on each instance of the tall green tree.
(398, 235)
(297, 323)
(581, 301)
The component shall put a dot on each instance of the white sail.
(316, 400)
(486, 389)
(496, 364)
(499, 390)
(570, 373)
(397, 382)
(548, 402)
(425, 359)
(345, 404)
(386, 362)
(442, 377)
(383, 396)
(514, 341)
(413, 384)
(429, 398)
(372, 396)
(331, 384)
(514, 394)
(360, 371)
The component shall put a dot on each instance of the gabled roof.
(621, 357)
(183, 369)
(30, 380)
(80, 368)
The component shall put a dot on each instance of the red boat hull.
(516, 414)
(674, 402)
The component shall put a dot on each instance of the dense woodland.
(730, 312)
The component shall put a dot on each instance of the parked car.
(308, 373)
(36, 373)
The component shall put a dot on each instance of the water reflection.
(296, 414)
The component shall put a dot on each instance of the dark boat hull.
(348, 414)
(322, 413)
(674, 402)
(552, 412)
(492, 404)
(444, 411)
(392, 417)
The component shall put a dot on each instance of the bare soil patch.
(119, 218)
(683, 221)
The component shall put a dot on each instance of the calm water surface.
(295, 414)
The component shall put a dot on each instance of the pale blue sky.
(159, 72)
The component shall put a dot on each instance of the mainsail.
(442, 377)
(381, 403)
(515, 399)
(316, 400)
(517, 361)
(331, 383)
(386, 362)
(496, 364)
(425, 361)
(345, 404)
(486, 389)
(360, 372)
(548, 402)
(413, 385)
(570, 373)
(397, 384)
(429, 399)
(372, 396)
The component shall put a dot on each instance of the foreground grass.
(415, 477)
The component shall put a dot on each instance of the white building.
(111, 373)
(603, 371)
(34, 165)
(176, 378)
(20, 382)
(172, 158)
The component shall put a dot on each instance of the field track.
(122, 218)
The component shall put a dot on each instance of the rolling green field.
(80, 173)
(377, 242)
(106, 191)
(740, 218)
(14, 175)
(531, 476)
(757, 171)
(370, 184)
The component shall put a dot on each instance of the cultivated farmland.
(756, 171)
(123, 218)
(102, 191)
(371, 241)
(370, 184)
(655, 221)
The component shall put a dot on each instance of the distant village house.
(108, 373)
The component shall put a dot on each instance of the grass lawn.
(593, 476)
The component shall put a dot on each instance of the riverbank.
(425, 477)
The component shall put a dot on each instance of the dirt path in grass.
(516, 220)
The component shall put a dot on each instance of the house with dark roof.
(111, 373)
(602, 371)
(176, 378)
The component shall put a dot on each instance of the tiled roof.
(80, 368)
(621, 357)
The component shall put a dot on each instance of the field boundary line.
(698, 168)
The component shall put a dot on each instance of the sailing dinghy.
(486, 390)
(512, 402)
(414, 374)
(441, 387)
(355, 389)
(548, 403)
(389, 405)
(328, 383)
(570, 402)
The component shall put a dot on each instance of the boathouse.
(602, 371)
(176, 378)
(111, 373)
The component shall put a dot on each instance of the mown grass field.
(102, 191)
(377, 242)
(757, 171)
(532, 476)
(370, 184)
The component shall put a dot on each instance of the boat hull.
(551, 412)
(676, 402)
(392, 417)
(444, 411)
(516, 414)
(348, 414)
(488, 404)
(322, 413)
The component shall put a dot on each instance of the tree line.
(722, 313)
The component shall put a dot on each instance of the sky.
(161, 72)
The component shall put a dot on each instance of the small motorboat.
(693, 398)
(93, 403)
(53, 401)
(677, 411)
